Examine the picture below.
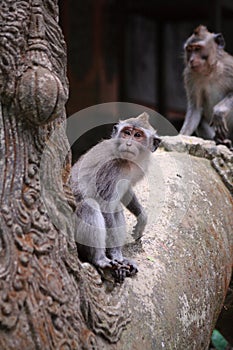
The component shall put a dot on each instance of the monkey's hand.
(140, 226)
(220, 125)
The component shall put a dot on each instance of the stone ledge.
(221, 158)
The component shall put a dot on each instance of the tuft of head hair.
(142, 121)
(201, 32)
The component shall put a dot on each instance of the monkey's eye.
(127, 132)
(138, 134)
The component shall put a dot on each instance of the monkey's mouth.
(127, 153)
(195, 67)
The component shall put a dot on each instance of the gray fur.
(210, 91)
(101, 181)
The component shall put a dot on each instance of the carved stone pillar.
(48, 300)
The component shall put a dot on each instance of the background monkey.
(101, 181)
(208, 78)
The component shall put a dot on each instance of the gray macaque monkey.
(208, 78)
(102, 180)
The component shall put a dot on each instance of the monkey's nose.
(129, 143)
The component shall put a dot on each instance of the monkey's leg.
(91, 234)
(127, 267)
(116, 232)
(132, 204)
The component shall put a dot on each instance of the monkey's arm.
(132, 204)
(192, 120)
(220, 113)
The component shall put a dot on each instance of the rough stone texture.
(186, 255)
(48, 300)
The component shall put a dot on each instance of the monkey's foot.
(133, 269)
(114, 273)
(225, 142)
(104, 263)
(125, 268)
(120, 273)
(118, 269)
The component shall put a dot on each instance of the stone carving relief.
(48, 299)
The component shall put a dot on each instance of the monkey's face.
(201, 50)
(136, 138)
(133, 142)
(197, 58)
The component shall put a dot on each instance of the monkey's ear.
(156, 143)
(114, 130)
(144, 117)
(219, 39)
